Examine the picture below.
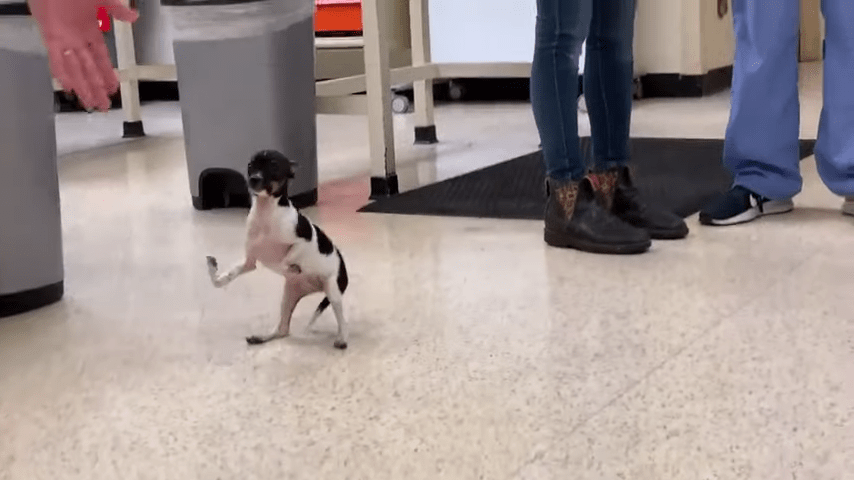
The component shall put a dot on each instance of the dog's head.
(269, 172)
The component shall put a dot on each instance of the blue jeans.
(762, 136)
(562, 26)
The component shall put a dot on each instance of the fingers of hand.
(57, 67)
(120, 11)
(94, 76)
(81, 84)
(88, 72)
(104, 65)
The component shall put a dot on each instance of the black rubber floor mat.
(680, 174)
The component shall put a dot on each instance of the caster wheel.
(456, 92)
(582, 104)
(400, 104)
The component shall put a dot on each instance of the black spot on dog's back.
(304, 229)
(324, 244)
(343, 280)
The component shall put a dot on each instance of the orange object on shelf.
(338, 16)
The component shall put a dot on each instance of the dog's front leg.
(220, 281)
(293, 294)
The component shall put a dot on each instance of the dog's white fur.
(272, 240)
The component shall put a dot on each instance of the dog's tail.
(323, 305)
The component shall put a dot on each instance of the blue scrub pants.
(762, 136)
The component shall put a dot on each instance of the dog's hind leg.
(293, 294)
(336, 300)
(219, 281)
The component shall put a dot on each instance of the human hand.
(78, 55)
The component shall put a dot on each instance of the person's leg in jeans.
(573, 217)
(834, 150)
(761, 148)
(608, 74)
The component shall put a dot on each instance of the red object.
(103, 19)
(338, 16)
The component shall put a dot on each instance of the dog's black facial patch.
(343, 280)
(270, 170)
(303, 229)
(324, 244)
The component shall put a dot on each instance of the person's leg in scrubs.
(834, 150)
(762, 137)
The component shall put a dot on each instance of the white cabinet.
(482, 31)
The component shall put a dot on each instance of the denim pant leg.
(561, 28)
(608, 73)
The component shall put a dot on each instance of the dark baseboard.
(150, 91)
(26, 301)
(16, 9)
(675, 85)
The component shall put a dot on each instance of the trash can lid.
(200, 3)
(14, 8)
(233, 19)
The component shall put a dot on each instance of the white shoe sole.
(771, 207)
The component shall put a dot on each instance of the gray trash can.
(246, 83)
(31, 263)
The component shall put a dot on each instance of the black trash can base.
(23, 302)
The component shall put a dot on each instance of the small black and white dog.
(280, 238)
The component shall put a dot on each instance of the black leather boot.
(618, 194)
(575, 219)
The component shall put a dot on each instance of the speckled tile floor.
(476, 352)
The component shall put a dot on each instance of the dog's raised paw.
(340, 344)
(212, 262)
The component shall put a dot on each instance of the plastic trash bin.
(246, 83)
(31, 262)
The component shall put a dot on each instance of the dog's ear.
(292, 168)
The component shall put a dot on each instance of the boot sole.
(560, 240)
(669, 234)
